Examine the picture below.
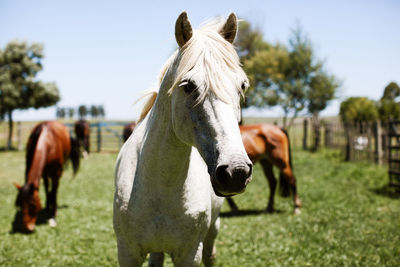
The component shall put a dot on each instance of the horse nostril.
(30, 227)
(222, 174)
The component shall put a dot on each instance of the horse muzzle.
(231, 179)
(29, 228)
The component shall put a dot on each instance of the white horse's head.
(205, 83)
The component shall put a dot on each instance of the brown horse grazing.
(49, 147)
(269, 145)
(82, 133)
(128, 129)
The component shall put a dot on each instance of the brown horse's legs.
(53, 196)
(87, 144)
(46, 189)
(287, 172)
(232, 204)
(267, 167)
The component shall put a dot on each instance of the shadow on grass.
(42, 218)
(242, 213)
(387, 191)
(4, 149)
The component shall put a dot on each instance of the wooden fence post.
(378, 143)
(19, 136)
(98, 137)
(349, 142)
(328, 135)
(305, 134)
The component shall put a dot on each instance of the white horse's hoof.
(52, 222)
(297, 211)
(85, 154)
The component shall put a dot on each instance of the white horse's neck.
(171, 156)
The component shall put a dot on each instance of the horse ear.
(183, 29)
(17, 186)
(230, 27)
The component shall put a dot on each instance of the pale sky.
(108, 52)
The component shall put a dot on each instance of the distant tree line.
(94, 111)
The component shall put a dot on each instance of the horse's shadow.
(42, 218)
(387, 191)
(248, 212)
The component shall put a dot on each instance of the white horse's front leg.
(209, 251)
(128, 258)
(192, 258)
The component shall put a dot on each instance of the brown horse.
(49, 147)
(269, 145)
(128, 129)
(82, 133)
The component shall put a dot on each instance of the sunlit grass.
(349, 218)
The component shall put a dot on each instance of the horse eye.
(244, 86)
(188, 86)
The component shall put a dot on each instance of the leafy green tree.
(265, 70)
(322, 89)
(101, 111)
(281, 75)
(249, 41)
(353, 111)
(19, 65)
(82, 111)
(94, 112)
(392, 91)
(60, 113)
(358, 109)
(71, 113)
(388, 108)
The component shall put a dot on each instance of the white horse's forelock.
(207, 53)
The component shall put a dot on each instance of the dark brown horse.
(49, 147)
(269, 145)
(128, 129)
(82, 133)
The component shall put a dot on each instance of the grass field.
(349, 218)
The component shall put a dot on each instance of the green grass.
(349, 218)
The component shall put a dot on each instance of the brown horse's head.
(29, 202)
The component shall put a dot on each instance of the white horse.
(186, 154)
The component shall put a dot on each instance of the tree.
(82, 111)
(60, 113)
(322, 89)
(358, 109)
(388, 108)
(19, 65)
(391, 91)
(264, 71)
(94, 111)
(101, 111)
(282, 75)
(353, 111)
(71, 113)
(249, 41)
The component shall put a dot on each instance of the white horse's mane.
(206, 53)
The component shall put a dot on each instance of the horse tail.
(284, 186)
(74, 154)
(290, 150)
(31, 147)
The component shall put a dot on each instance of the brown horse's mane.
(31, 148)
